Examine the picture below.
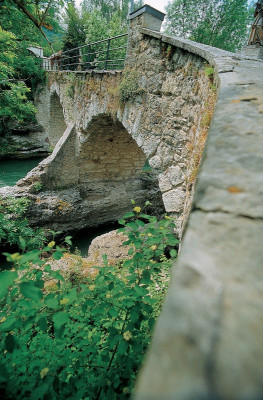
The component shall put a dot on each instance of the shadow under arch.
(57, 125)
(111, 171)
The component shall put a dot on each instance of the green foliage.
(209, 71)
(14, 105)
(87, 340)
(110, 8)
(220, 23)
(14, 226)
(75, 35)
(38, 14)
(38, 186)
(91, 24)
(129, 87)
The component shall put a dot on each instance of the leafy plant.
(86, 340)
(129, 86)
(14, 105)
(14, 226)
(38, 186)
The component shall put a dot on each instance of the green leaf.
(47, 268)
(8, 324)
(140, 290)
(128, 263)
(105, 260)
(72, 295)
(132, 201)
(173, 253)
(59, 319)
(40, 283)
(149, 300)
(51, 302)
(39, 274)
(145, 216)
(42, 323)
(113, 312)
(31, 256)
(10, 343)
(22, 243)
(68, 240)
(6, 280)
(57, 255)
(122, 348)
(128, 215)
(30, 291)
(133, 226)
(137, 244)
(140, 223)
(56, 275)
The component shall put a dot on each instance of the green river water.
(13, 170)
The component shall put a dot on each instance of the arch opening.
(112, 171)
(57, 125)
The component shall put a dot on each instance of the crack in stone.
(227, 212)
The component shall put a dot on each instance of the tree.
(219, 23)
(109, 8)
(15, 21)
(14, 104)
(94, 21)
(39, 12)
(75, 28)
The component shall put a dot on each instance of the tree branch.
(21, 6)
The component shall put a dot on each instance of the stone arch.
(57, 125)
(111, 170)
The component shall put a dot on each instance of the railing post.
(107, 54)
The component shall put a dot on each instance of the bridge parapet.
(208, 341)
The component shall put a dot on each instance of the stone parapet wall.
(208, 342)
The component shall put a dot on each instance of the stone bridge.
(140, 134)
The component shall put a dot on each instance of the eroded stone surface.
(109, 244)
(208, 343)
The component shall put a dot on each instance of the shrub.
(14, 226)
(87, 340)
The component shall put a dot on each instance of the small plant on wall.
(129, 87)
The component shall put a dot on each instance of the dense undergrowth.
(83, 337)
(14, 226)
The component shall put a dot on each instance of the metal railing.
(100, 55)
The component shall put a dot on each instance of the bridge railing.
(106, 54)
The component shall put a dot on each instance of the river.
(13, 170)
